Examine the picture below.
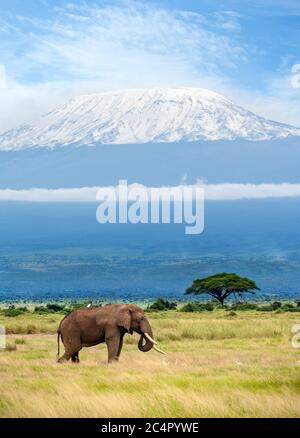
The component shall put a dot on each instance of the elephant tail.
(59, 334)
(58, 337)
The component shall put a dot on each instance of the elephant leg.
(72, 347)
(120, 347)
(113, 344)
(64, 358)
(75, 357)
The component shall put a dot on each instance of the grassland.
(218, 365)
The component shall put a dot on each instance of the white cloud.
(2, 77)
(84, 194)
(280, 102)
(213, 192)
(295, 77)
(250, 191)
(87, 48)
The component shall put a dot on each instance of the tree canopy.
(220, 286)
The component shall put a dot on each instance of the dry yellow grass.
(216, 367)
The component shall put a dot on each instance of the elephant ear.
(124, 319)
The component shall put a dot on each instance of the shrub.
(14, 311)
(23, 309)
(11, 347)
(243, 306)
(41, 309)
(265, 308)
(56, 307)
(51, 308)
(20, 341)
(197, 307)
(190, 307)
(161, 304)
(276, 305)
(231, 313)
(31, 329)
(217, 305)
(288, 307)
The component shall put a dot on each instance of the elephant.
(86, 327)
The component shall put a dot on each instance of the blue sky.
(51, 50)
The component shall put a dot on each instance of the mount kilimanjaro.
(138, 116)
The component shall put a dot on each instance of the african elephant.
(86, 327)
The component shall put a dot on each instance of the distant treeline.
(160, 304)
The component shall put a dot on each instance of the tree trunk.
(221, 299)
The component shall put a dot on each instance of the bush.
(276, 305)
(197, 307)
(231, 314)
(56, 307)
(14, 311)
(31, 329)
(266, 308)
(217, 305)
(20, 341)
(51, 308)
(11, 347)
(161, 304)
(41, 309)
(288, 307)
(243, 306)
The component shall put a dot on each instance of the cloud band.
(213, 192)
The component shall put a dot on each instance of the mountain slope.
(144, 116)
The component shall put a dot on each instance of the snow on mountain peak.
(144, 116)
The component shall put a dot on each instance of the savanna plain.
(219, 364)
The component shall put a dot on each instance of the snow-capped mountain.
(144, 116)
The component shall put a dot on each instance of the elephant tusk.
(157, 349)
(149, 338)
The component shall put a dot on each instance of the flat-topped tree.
(220, 286)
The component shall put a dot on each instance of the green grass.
(242, 366)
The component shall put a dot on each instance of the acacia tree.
(220, 286)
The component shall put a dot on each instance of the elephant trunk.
(147, 336)
(144, 347)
